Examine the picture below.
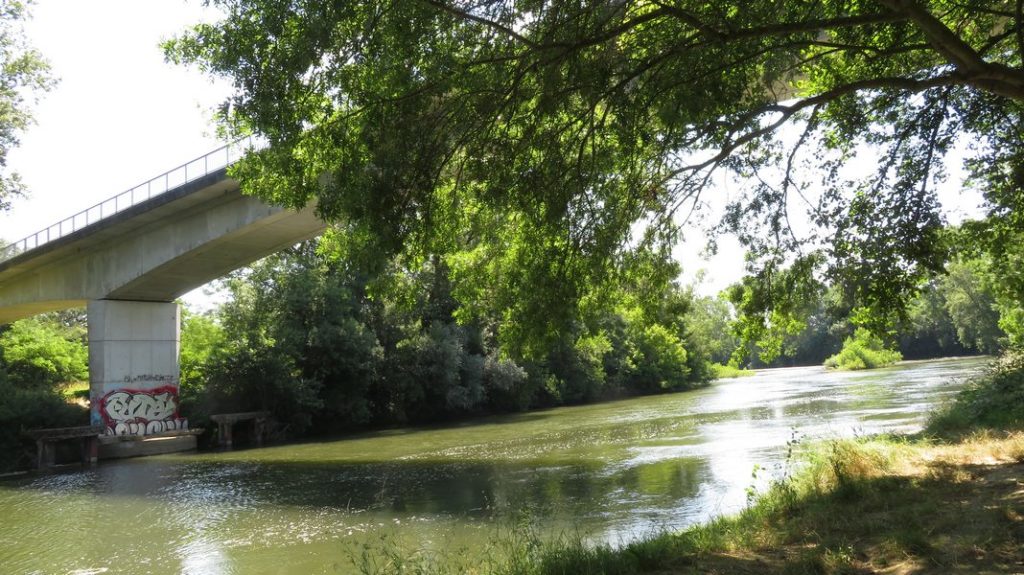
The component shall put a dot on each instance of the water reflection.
(617, 470)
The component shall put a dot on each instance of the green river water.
(613, 471)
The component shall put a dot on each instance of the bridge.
(127, 259)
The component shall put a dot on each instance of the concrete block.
(133, 353)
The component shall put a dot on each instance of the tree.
(41, 353)
(710, 324)
(24, 74)
(971, 303)
(530, 138)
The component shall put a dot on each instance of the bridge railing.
(165, 182)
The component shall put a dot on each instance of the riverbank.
(887, 504)
(949, 500)
(615, 472)
(883, 505)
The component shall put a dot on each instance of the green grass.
(720, 371)
(75, 390)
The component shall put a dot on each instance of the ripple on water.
(616, 470)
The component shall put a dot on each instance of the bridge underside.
(155, 251)
(128, 269)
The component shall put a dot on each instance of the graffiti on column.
(142, 411)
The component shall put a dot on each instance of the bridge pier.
(133, 367)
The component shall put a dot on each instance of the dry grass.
(920, 509)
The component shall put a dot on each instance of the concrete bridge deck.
(153, 250)
(127, 259)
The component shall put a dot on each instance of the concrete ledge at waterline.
(122, 446)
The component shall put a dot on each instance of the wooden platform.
(226, 422)
(47, 440)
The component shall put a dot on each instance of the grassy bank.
(950, 500)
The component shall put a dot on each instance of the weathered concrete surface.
(133, 367)
(156, 251)
(117, 448)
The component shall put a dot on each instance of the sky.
(120, 115)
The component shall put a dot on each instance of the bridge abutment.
(133, 367)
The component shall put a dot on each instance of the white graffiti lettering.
(148, 428)
(123, 406)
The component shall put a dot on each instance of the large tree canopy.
(539, 144)
(23, 75)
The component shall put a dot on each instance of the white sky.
(120, 115)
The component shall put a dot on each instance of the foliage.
(30, 408)
(774, 305)
(710, 320)
(201, 338)
(325, 347)
(929, 330)
(535, 143)
(955, 313)
(863, 350)
(660, 360)
(993, 401)
(23, 75)
(971, 303)
(37, 356)
(42, 353)
(720, 371)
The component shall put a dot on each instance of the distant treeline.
(953, 314)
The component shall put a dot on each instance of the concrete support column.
(133, 367)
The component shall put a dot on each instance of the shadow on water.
(394, 486)
(617, 470)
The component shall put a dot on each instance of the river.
(613, 471)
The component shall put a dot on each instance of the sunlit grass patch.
(75, 390)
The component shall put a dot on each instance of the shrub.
(727, 371)
(863, 351)
(30, 408)
(994, 400)
(41, 354)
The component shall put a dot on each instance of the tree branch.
(497, 26)
(997, 78)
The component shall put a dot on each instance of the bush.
(661, 361)
(22, 409)
(728, 371)
(863, 351)
(994, 400)
(41, 354)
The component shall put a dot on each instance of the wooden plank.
(223, 418)
(58, 433)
